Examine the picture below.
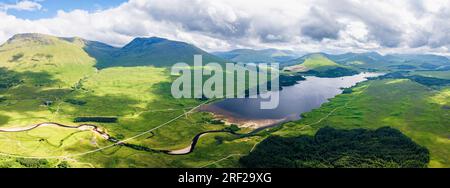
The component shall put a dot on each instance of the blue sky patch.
(49, 8)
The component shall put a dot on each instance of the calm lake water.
(294, 100)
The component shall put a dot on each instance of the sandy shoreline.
(230, 118)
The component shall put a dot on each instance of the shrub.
(75, 102)
(16, 57)
(232, 128)
(96, 119)
(33, 163)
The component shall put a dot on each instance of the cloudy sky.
(386, 26)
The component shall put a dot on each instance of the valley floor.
(148, 119)
(418, 111)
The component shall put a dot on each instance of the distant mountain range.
(374, 60)
(258, 56)
(162, 52)
(364, 61)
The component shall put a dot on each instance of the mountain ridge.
(141, 51)
(156, 51)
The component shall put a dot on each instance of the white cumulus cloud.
(302, 25)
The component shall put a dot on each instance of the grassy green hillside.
(319, 62)
(319, 65)
(45, 57)
(151, 51)
(47, 68)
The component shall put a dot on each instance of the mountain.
(44, 57)
(368, 57)
(320, 65)
(100, 51)
(69, 60)
(150, 51)
(419, 61)
(419, 58)
(392, 61)
(258, 56)
(318, 62)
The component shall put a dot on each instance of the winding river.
(106, 136)
(93, 128)
(191, 147)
